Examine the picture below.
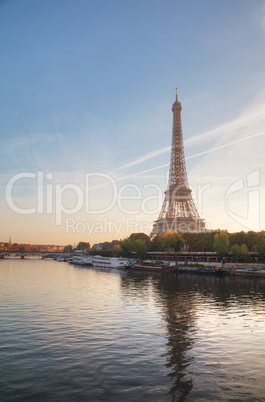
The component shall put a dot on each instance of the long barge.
(148, 266)
(200, 271)
(249, 273)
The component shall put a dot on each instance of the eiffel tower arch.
(178, 212)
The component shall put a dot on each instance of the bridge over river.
(30, 254)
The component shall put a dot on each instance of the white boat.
(249, 272)
(84, 261)
(109, 262)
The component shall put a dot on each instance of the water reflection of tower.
(174, 296)
(179, 317)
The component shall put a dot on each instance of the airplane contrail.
(194, 156)
(200, 137)
(144, 158)
(226, 145)
(188, 157)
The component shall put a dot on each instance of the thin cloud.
(222, 129)
(194, 156)
(228, 127)
(142, 172)
(225, 145)
(144, 158)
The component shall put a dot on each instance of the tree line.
(238, 245)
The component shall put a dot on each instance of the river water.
(90, 334)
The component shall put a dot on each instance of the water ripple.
(85, 334)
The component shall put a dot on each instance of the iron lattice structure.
(178, 212)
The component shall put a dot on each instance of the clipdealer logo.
(131, 200)
(249, 190)
(51, 198)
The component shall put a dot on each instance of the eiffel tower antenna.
(178, 212)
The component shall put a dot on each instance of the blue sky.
(87, 86)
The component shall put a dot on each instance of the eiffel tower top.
(176, 104)
(177, 173)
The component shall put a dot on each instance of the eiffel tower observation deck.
(178, 212)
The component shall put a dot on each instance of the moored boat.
(83, 261)
(109, 262)
(149, 266)
(200, 271)
(249, 272)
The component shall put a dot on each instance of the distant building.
(97, 246)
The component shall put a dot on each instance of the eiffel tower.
(178, 212)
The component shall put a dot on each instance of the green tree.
(142, 236)
(252, 240)
(140, 248)
(84, 246)
(205, 242)
(190, 239)
(156, 243)
(238, 238)
(261, 249)
(235, 252)
(116, 251)
(106, 245)
(172, 241)
(126, 247)
(244, 253)
(114, 244)
(221, 244)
